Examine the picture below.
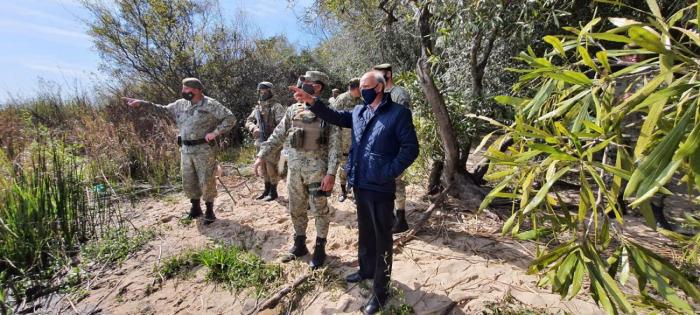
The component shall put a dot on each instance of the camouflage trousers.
(400, 201)
(342, 175)
(271, 173)
(304, 174)
(198, 179)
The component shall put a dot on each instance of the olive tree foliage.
(619, 131)
(426, 42)
(360, 37)
(150, 46)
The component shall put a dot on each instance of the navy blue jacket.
(384, 142)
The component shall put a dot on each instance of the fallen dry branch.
(437, 202)
(275, 298)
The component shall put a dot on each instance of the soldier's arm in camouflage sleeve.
(251, 123)
(333, 150)
(228, 120)
(170, 109)
(278, 110)
(277, 138)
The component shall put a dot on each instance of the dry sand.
(459, 261)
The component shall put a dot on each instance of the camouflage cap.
(335, 90)
(316, 76)
(354, 83)
(193, 83)
(264, 85)
(383, 67)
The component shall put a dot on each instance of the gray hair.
(380, 78)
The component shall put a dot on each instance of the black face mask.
(187, 95)
(308, 88)
(264, 96)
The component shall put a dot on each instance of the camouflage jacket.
(345, 101)
(400, 95)
(280, 137)
(197, 120)
(271, 115)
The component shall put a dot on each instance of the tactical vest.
(309, 131)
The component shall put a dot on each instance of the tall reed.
(45, 213)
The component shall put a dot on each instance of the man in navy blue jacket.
(384, 144)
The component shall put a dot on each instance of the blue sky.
(45, 39)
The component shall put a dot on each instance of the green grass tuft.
(116, 245)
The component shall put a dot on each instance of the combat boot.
(343, 193)
(319, 256)
(195, 210)
(267, 191)
(209, 216)
(298, 249)
(400, 225)
(272, 193)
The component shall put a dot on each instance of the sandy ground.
(459, 260)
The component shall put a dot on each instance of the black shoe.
(374, 305)
(264, 194)
(298, 249)
(319, 256)
(355, 277)
(195, 210)
(343, 193)
(400, 225)
(271, 193)
(209, 216)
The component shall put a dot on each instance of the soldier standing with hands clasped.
(200, 119)
(261, 122)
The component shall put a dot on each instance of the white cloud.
(15, 26)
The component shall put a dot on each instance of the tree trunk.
(455, 175)
(483, 165)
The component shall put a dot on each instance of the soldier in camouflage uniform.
(346, 101)
(200, 119)
(312, 164)
(401, 96)
(265, 116)
(334, 96)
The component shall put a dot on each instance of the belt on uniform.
(194, 142)
(346, 154)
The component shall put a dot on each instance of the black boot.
(660, 217)
(209, 216)
(298, 249)
(195, 210)
(400, 225)
(271, 193)
(343, 193)
(264, 194)
(319, 256)
(374, 305)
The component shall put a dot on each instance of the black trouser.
(375, 217)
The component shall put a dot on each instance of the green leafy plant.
(573, 129)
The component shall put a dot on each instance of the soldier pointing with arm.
(313, 161)
(200, 120)
(261, 122)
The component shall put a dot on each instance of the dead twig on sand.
(227, 191)
(275, 298)
(437, 202)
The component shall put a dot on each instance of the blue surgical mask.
(368, 95)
